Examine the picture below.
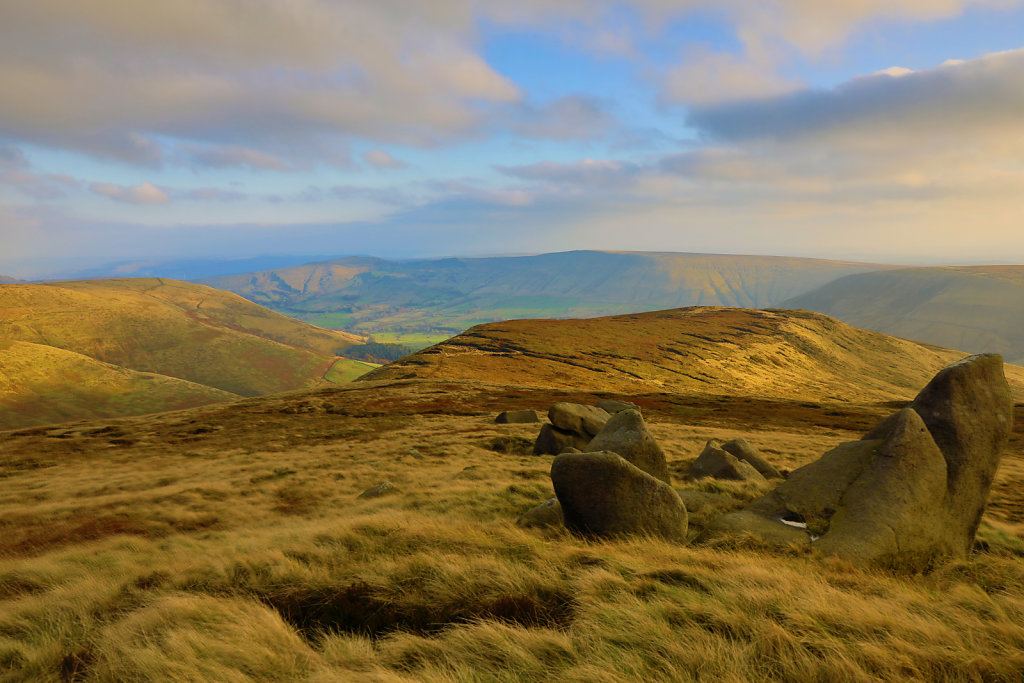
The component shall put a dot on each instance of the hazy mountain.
(971, 308)
(4, 280)
(437, 298)
(183, 269)
(793, 355)
(123, 347)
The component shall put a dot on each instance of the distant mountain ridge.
(974, 308)
(438, 298)
(124, 347)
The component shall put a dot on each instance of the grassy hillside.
(228, 543)
(177, 329)
(723, 351)
(425, 301)
(976, 309)
(43, 384)
(125, 347)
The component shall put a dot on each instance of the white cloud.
(140, 194)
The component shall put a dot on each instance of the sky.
(888, 131)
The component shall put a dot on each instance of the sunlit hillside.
(793, 355)
(125, 347)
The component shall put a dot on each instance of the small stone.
(611, 407)
(547, 514)
(516, 417)
(379, 490)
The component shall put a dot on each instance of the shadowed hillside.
(432, 299)
(971, 308)
(95, 349)
(722, 351)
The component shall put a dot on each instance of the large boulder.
(602, 494)
(716, 462)
(908, 493)
(578, 418)
(626, 433)
(552, 441)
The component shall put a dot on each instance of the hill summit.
(795, 355)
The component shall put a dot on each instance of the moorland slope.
(95, 348)
(794, 355)
(434, 299)
(974, 308)
(229, 542)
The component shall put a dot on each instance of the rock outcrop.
(716, 462)
(743, 451)
(384, 489)
(908, 493)
(573, 425)
(516, 417)
(611, 406)
(602, 494)
(626, 433)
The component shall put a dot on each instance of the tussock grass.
(299, 580)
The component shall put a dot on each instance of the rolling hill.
(5, 280)
(971, 308)
(42, 385)
(429, 300)
(792, 355)
(122, 347)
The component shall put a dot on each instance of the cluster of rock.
(610, 475)
(735, 459)
(910, 491)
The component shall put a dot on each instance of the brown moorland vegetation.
(228, 543)
(793, 355)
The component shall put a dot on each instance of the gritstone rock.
(516, 417)
(716, 462)
(748, 454)
(626, 433)
(378, 491)
(908, 493)
(547, 514)
(578, 418)
(602, 494)
(552, 441)
(611, 407)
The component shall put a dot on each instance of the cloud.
(140, 194)
(955, 101)
(584, 172)
(224, 156)
(378, 158)
(209, 194)
(573, 117)
(712, 77)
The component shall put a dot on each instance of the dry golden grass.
(228, 543)
(791, 355)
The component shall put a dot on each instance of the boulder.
(626, 433)
(911, 491)
(377, 491)
(547, 514)
(602, 494)
(716, 462)
(750, 455)
(578, 418)
(611, 407)
(516, 417)
(552, 441)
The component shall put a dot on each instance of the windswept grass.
(228, 543)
